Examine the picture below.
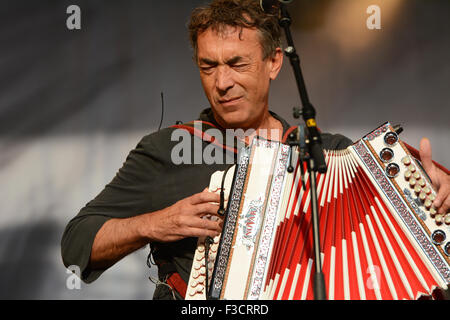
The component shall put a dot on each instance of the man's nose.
(224, 79)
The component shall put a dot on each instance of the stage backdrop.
(74, 102)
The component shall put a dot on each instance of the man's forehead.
(229, 38)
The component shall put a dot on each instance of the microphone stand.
(314, 153)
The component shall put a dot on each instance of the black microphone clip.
(271, 6)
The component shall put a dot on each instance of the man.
(154, 201)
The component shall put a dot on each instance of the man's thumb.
(425, 154)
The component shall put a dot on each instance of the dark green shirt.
(149, 181)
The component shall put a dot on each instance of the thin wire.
(162, 110)
(157, 282)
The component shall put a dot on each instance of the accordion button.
(447, 219)
(427, 190)
(408, 174)
(439, 219)
(422, 196)
(406, 161)
(416, 175)
(417, 189)
(391, 138)
(432, 212)
(192, 293)
(422, 182)
(392, 170)
(428, 203)
(412, 168)
(412, 182)
(438, 237)
(386, 155)
(447, 249)
(432, 197)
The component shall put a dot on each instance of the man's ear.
(277, 63)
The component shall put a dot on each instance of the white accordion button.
(432, 212)
(195, 274)
(422, 182)
(428, 203)
(197, 266)
(422, 196)
(447, 219)
(427, 190)
(408, 174)
(406, 161)
(192, 293)
(417, 189)
(439, 219)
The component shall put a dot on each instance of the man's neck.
(268, 128)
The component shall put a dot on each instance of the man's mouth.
(229, 101)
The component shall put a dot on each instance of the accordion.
(380, 237)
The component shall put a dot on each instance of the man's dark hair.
(220, 14)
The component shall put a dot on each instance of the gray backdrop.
(73, 103)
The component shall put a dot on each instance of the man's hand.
(440, 179)
(184, 219)
(119, 237)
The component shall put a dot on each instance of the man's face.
(235, 77)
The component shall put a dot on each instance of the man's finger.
(425, 155)
(199, 232)
(442, 201)
(203, 197)
(204, 224)
(203, 209)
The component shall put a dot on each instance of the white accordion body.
(380, 236)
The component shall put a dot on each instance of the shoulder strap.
(198, 128)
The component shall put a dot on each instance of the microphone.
(269, 6)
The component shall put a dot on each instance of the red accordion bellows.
(365, 254)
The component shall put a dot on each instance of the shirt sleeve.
(335, 141)
(127, 195)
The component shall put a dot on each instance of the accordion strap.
(288, 132)
(177, 283)
(193, 128)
